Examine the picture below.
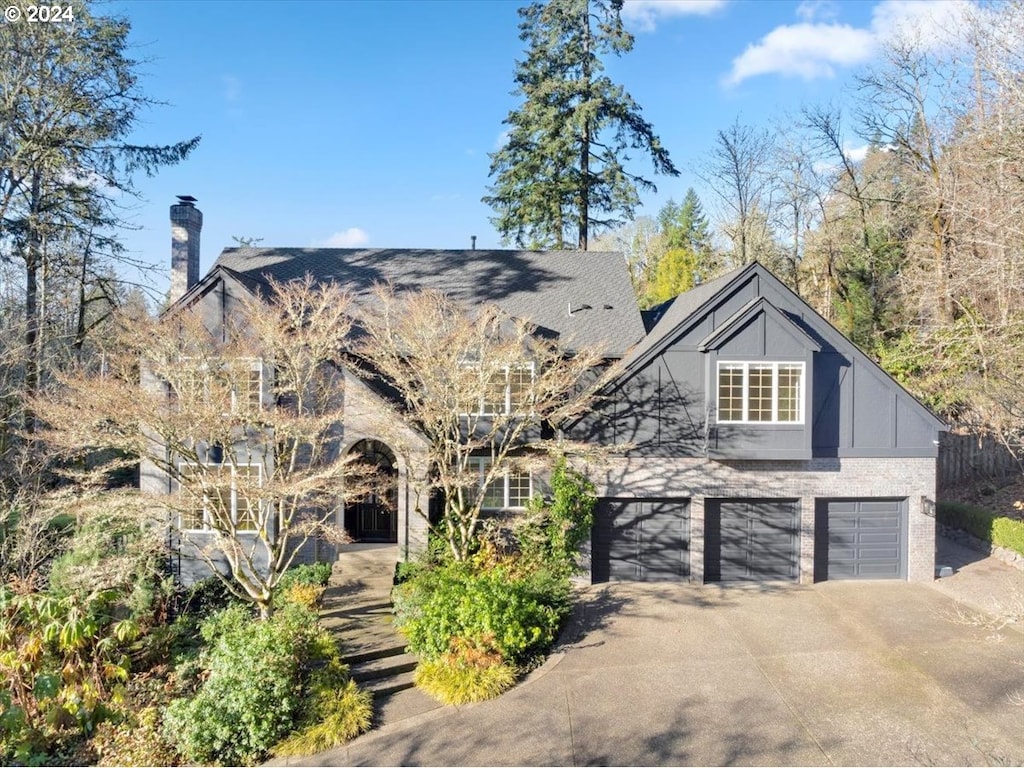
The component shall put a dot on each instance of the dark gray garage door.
(641, 540)
(860, 539)
(751, 540)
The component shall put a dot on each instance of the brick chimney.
(186, 223)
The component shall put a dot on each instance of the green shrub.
(318, 573)
(254, 682)
(302, 584)
(983, 524)
(460, 600)
(252, 690)
(551, 532)
(1008, 533)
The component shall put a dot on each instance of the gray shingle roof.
(676, 311)
(585, 298)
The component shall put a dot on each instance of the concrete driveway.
(843, 673)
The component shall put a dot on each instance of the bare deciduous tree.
(244, 420)
(481, 392)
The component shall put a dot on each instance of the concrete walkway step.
(379, 657)
(386, 686)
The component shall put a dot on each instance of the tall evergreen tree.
(689, 258)
(563, 166)
(69, 101)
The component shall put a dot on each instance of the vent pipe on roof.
(472, 241)
(186, 224)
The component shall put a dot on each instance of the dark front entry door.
(375, 516)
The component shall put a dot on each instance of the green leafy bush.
(257, 680)
(551, 532)
(251, 692)
(303, 584)
(983, 524)
(462, 600)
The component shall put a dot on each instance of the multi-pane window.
(247, 387)
(507, 390)
(239, 379)
(223, 490)
(508, 490)
(760, 393)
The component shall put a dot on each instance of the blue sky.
(354, 123)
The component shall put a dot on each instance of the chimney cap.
(186, 199)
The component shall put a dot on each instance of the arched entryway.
(375, 516)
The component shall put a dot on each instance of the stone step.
(375, 652)
(385, 666)
(386, 686)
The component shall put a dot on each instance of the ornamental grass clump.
(471, 671)
(336, 711)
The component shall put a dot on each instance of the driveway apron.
(840, 673)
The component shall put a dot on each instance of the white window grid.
(510, 490)
(508, 389)
(243, 516)
(247, 390)
(749, 392)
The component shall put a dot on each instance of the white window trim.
(480, 465)
(254, 364)
(183, 469)
(775, 390)
(507, 369)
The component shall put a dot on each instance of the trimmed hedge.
(979, 522)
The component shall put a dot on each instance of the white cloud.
(817, 10)
(856, 154)
(803, 50)
(643, 15)
(813, 49)
(353, 237)
(935, 24)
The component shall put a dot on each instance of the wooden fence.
(967, 458)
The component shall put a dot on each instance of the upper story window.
(227, 492)
(239, 379)
(762, 393)
(508, 491)
(507, 390)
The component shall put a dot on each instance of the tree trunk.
(584, 201)
(32, 254)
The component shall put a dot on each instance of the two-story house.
(762, 444)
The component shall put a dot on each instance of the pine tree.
(69, 100)
(563, 166)
(689, 259)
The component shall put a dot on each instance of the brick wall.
(912, 479)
